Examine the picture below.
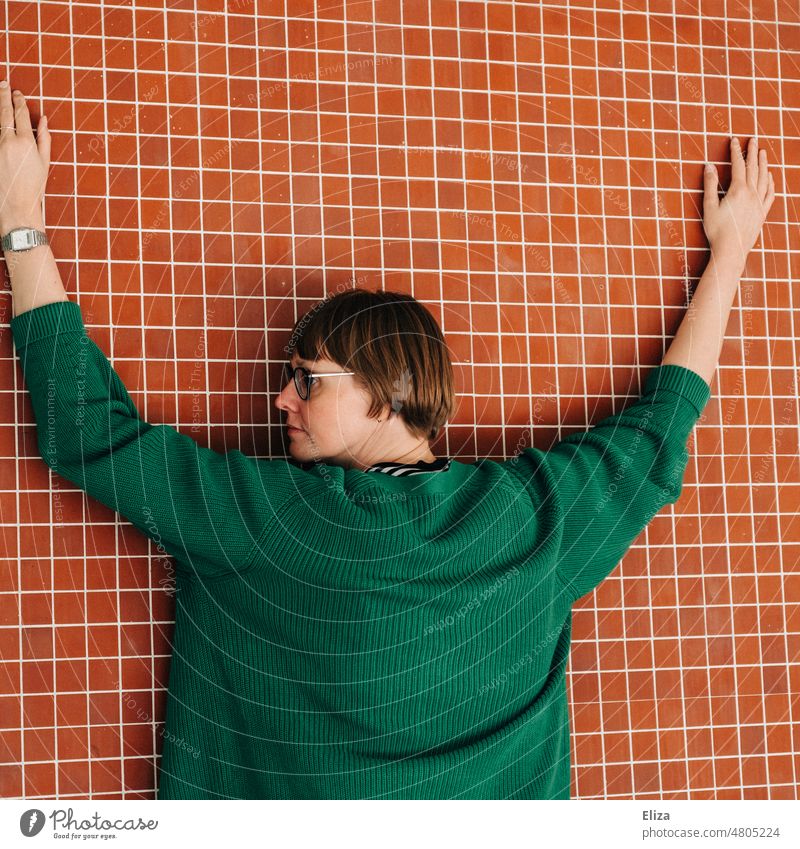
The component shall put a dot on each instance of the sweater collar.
(440, 464)
(437, 465)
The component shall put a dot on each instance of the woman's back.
(389, 644)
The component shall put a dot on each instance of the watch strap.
(23, 239)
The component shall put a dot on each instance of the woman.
(367, 621)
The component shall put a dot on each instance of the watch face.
(19, 240)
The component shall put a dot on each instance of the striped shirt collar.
(440, 464)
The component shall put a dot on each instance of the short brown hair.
(395, 347)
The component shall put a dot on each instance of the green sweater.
(343, 634)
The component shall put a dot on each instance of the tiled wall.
(533, 173)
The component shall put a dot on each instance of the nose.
(287, 398)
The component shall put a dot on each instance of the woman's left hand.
(24, 163)
(733, 224)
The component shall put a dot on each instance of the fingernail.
(4, 84)
(709, 166)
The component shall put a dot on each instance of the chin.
(299, 447)
(294, 449)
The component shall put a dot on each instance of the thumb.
(711, 182)
(43, 141)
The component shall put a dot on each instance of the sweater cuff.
(682, 381)
(47, 320)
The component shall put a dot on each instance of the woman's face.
(333, 423)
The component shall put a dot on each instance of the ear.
(385, 413)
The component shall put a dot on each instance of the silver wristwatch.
(23, 239)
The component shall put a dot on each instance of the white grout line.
(726, 517)
(659, 250)
(795, 412)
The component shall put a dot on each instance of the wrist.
(729, 257)
(12, 257)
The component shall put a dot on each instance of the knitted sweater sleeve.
(604, 485)
(205, 508)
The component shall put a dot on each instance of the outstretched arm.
(24, 164)
(732, 227)
(597, 490)
(211, 511)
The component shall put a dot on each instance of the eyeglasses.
(303, 378)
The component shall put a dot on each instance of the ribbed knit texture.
(346, 635)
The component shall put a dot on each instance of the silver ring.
(8, 128)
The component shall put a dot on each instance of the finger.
(770, 192)
(21, 114)
(710, 185)
(737, 163)
(6, 112)
(43, 141)
(752, 162)
(763, 173)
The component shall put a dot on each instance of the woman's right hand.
(732, 224)
(24, 163)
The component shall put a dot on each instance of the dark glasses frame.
(294, 373)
